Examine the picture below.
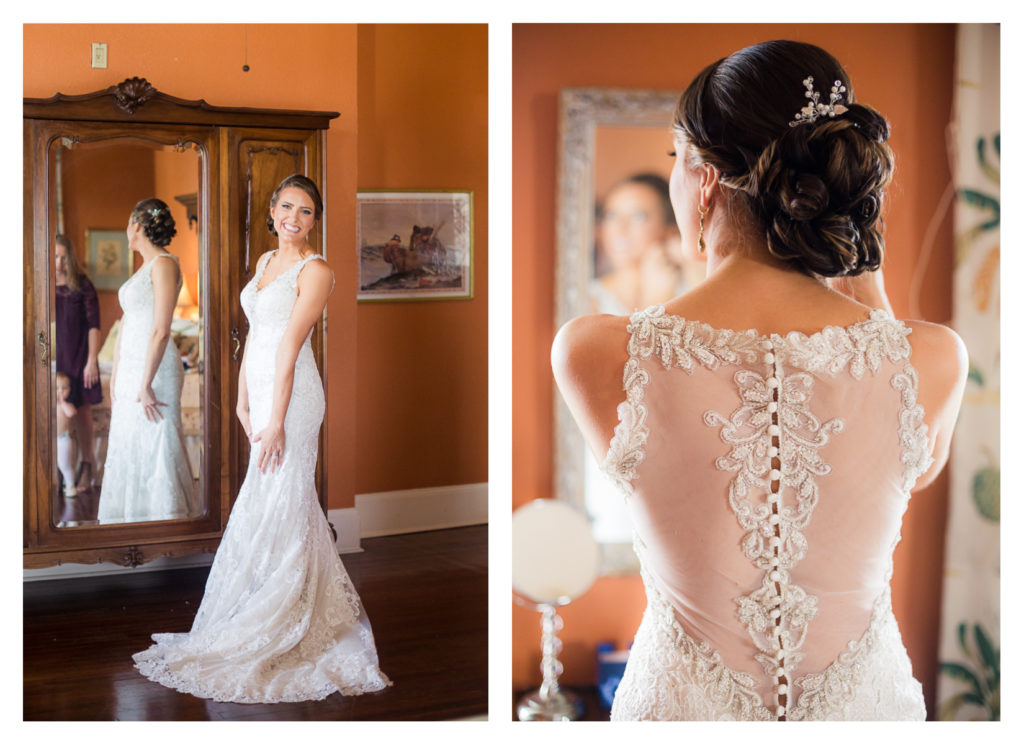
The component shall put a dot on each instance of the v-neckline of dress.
(279, 275)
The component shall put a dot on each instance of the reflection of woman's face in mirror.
(60, 259)
(133, 231)
(633, 223)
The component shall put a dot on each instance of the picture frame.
(109, 259)
(414, 245)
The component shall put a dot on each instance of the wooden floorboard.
(425, 594)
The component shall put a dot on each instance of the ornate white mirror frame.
(581, 112)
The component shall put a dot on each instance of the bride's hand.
(271, 441)
(149, 404)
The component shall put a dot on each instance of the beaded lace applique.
(728, 689)
(775, 441)
(677, 343)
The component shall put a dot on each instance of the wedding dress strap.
(149, 267)
(309, 258)
(302, 262)
(153, 260)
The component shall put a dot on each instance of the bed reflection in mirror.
(94, 187)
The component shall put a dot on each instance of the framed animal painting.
(109, 260)
(414, 245)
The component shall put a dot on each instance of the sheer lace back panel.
(766, 477)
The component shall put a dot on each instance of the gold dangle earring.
(700, 236)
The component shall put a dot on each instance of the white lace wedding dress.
(766, 477)
(146, 475)
(280, 619)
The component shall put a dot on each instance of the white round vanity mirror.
(554, 561)
(554, 554)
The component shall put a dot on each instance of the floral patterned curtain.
(968, 686)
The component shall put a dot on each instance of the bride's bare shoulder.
(940, 357)
(937, 347)
(589, 342)
(587, 358)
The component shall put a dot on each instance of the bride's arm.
(242, 406)
(165, 283)
(587, 358)
(117, 358)
(940, 357)
(315, 283)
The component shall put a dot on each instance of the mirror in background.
(637, 259)
(637, 262)
(618, 252)
(94, 187)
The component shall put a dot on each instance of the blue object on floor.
(611, 663)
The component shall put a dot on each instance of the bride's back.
(765, 429)
(768, 469)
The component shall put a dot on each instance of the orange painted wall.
(293, 66)
(911, 84)
(177, 174)
(421, 409)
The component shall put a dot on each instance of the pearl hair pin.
(814, 108)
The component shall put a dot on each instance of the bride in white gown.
(147, 475)
(766, 470)
(280, 619)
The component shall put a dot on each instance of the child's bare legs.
(64, 464)
(83, 422)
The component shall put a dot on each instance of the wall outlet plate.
(99, 55)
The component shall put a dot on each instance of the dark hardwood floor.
(425, 594)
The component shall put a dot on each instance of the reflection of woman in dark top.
(78, 346)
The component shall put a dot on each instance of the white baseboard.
(415, 510)
(377, 514)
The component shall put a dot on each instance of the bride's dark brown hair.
(155, 218)
(814, 189)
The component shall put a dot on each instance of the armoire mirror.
(88, 160)
(614, 166)
(94, 186)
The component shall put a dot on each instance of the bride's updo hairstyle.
(815, 188)
(155, 218)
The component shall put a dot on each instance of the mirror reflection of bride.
(147, 475)
(638, 245)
